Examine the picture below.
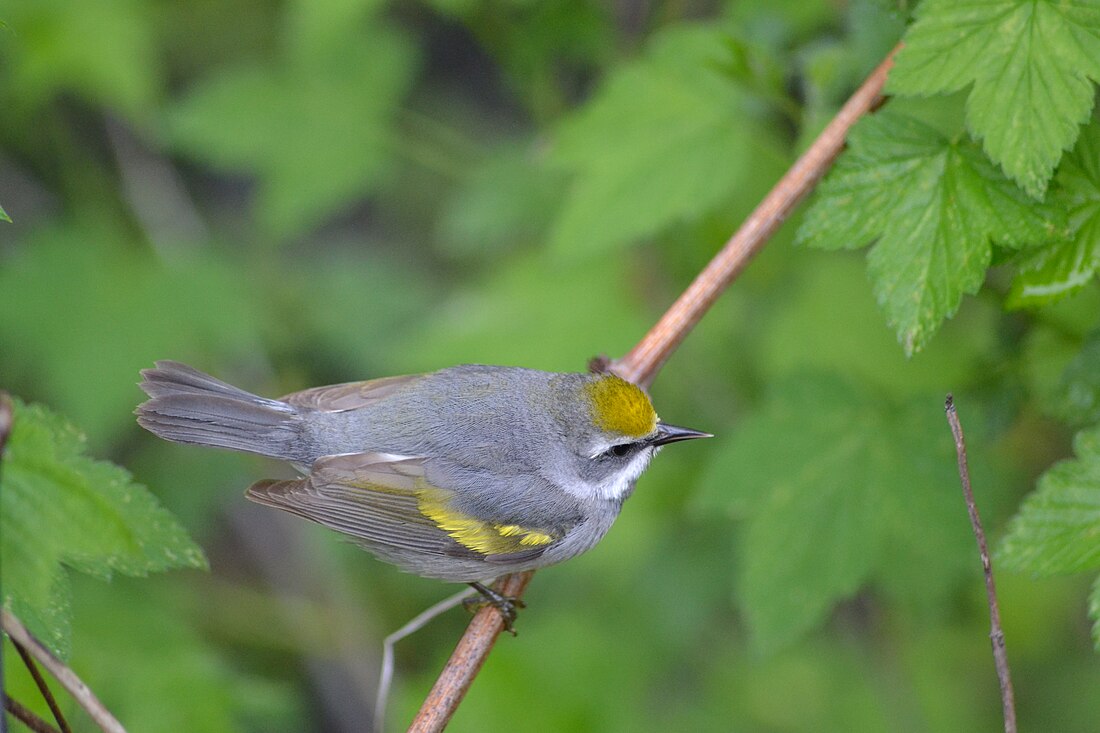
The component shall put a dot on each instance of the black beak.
(672, 434)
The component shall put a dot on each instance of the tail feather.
(188, 406)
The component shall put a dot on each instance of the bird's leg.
(506, 605)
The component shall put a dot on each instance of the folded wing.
(385, 503)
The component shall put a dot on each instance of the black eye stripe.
(622, 449)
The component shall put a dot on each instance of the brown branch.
(645, 360)
(6, 419)
(24, 715)
(466, 661)
(43, 688)
(68, 679)
(996, 634)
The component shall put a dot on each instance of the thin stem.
(26, 717)
(996, 634)
(43, 688)
(6, 420)
(466, 661)
(68, 679)
(416, 624)
(646, 358)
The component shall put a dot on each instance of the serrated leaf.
(933, 206)
(664, 140)
(1029, 61)
(316, 131)
(839, 488)
(828, 320)
(1052, 273)
(1057, 530)
(60, 507)
(1057, 271)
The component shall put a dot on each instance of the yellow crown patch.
(621, 407)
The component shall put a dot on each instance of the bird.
(463, 474)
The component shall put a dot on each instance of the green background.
(300, 193)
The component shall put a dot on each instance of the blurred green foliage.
(299, 193)
(111, 525)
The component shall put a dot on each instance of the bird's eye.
(621, 449)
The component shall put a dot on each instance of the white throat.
(615, 487)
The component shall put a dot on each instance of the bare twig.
(417, 623)
(459, 672)
(28, 718)
(646, 358)
(43, 688)
(6, 419)
(996, 634)
(68, 679)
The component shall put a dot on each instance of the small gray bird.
(464, 474)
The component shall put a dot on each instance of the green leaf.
(664, 140)
(933, 205)
(1077, 396)
(1063, 268)
(4, 215)
(1029, 61)
(1056, 271)
(105, 308)
(838, 488)
(104, 52)
(826, 319)
(124, 632)
(316, 130)
(830, 69)
(60, 507)
(528, 310)
(505, 201)
(1058, 527)
(345, 293)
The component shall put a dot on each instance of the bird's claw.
(507, 606)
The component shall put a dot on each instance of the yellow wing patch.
(488, 538)
(621, 407)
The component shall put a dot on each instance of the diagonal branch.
(68, 679)
(25, 716)
(646, 359)
(43, 688)
(466, 660)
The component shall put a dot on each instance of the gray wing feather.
(368, 496)
(350, 395)
(372, 497)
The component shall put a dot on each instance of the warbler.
(463, 474)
